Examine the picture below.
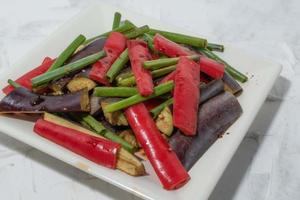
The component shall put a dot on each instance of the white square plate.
(207, 171)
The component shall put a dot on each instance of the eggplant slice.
(22, 100)
(79, 83)
(91, 48)
(116, 118)
(231, 85)
(59, 86)
(210, 90)
(214, 118)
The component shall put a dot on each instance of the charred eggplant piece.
(95, 105)
(59, 86)
(22, 100)
(93, 47)
(180, 144)
(215, 117)
(210, 90)
(79, 83)
(164, 121)
(116, 118)
(231, 85)
(84, 72)
(129, 137)
(141, 154)
(108, 126)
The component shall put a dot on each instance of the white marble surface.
(266, 165)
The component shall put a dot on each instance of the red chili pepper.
(168, 168)
(152, 103)
(169, 77)
(98, 150)
(114, 46)
(186, 96)
(138, 53)
(25, 80)
(170, 48)
(211, 68)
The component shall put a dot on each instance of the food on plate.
(131, 95)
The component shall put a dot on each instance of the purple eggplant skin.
(59, 86)
(214, 118)
(210, 90)
(180, 144)
(22, 100)
(231, 85)
(91, 48)
(84, 72)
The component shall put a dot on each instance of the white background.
(267, 163)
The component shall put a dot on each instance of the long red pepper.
(186, 96)
(211, 68)
(114, 45)
(98, 150)
(138, 53)
(169, 47)
(168, 168)
(25, 80)
(208, 66)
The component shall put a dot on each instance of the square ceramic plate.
(207, 171)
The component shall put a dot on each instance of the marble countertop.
(266, 165)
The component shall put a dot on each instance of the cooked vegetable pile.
(132, 94)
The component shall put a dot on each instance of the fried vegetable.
(92, 48)
(114, 46)
(80, 143)
(231, 85)
(91, 123)
(141, 154)
(158, 91)
(156, 110)
(59, 85)
(118, 65)
(22, 100)
(124, 26)
(164, 62)
(130, 164)
(114, 118)
(126, 161)
(215, 47)
(80, 83)
(231, 70)
(115, 91)
(210, 90)
(164, 121)
(61, 59)
(214, 118)
(129, 137)
(181, 38)
(137, 32)
(95, 104)
(66, 69)
(117, 20)
(166, 165)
